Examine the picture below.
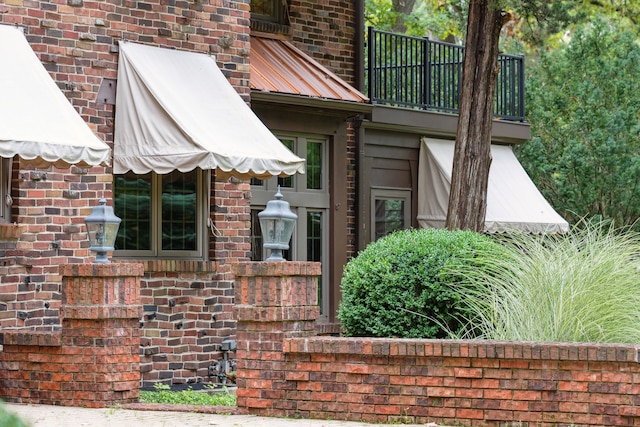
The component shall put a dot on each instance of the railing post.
(426, 75)
(370, 67)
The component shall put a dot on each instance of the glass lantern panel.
(96, 234)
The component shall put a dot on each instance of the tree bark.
(472, 155)
(403, 8)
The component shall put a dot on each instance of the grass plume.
(583, 286)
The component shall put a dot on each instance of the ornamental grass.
(583, 286)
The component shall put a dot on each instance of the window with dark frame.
(269, 15)
(390, 211)
(161, 214)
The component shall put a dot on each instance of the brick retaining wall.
(283, 370)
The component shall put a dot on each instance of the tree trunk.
(472, 155)
(402, 8)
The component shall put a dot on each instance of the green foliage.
(8, 419)
(580, 287)
(583, 103)
(163, 394)
(397, 286)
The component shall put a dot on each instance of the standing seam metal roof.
(278, 66)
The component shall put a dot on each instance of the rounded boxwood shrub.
(399, 285)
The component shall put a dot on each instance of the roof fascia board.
(305, 101)
(440, 124)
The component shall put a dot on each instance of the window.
(5, 190)
(390, 211)
(162, 215)
(308, 197)
(269, 10)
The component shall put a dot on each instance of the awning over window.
(513, 201)
(37, 122)
(175, 110)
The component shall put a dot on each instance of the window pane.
(179, 211)
(264, 7)
(314, 236)
(389, 216)
(287, 181)
(132, 203)
(314, 245)
(314, 165)
(256, 236)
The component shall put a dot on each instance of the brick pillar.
(94, 361)
(101, 314)
(274, 301)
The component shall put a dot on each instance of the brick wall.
(93, 360)
(325, 29)
(285, 371)
(188, 312)
(77, 41)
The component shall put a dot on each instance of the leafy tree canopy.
(583, 104)
(534, 24)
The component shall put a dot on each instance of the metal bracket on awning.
(107, 92)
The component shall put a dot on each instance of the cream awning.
(513, 201)
(37, 122)
(176, 110)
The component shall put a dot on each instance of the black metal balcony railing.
(415, 72)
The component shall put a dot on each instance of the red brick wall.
(284, 371)
(420, 381)
(325, 29)
(188, 312)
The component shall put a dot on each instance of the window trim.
(202, 209)
(389, 193)
(303, 200)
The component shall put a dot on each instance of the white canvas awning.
(37, 122)
(175, 110)
(513, 201)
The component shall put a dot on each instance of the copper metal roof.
(278, 66)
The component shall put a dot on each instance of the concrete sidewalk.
(65, 416)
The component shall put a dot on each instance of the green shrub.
(397, 286)
(580, 287)
(8, 419)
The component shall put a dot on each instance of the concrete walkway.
(64, 416)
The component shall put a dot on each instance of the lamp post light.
(102, 228)
(277, 223)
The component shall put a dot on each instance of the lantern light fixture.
(277, 223)
(102, 229)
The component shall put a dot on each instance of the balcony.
(419, 73)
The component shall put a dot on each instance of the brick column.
(94, 361)
(101, 314)
(274, 301)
